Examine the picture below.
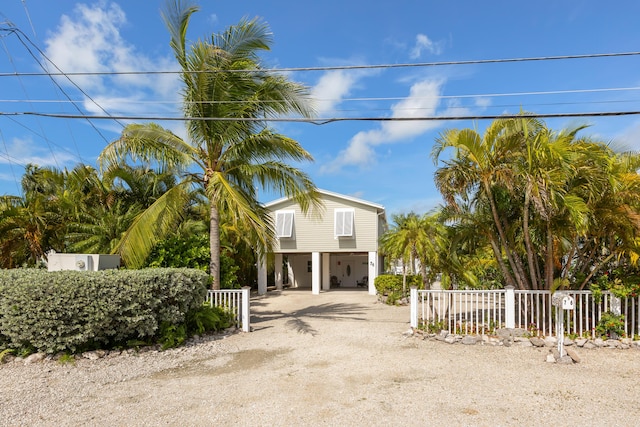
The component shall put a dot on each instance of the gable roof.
(378, 207)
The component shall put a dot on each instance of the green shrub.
(206, 319)
(610, 325)
(75, 311)
(390, 285)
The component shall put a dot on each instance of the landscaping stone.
(34, 358)
(523, 343)
(503, 332)
(598, 342)
(551, 358)
(538, 342)
(550, 341)
(580, 342)
(568, 341)
(469, 340)
(589, 345)
(572, 354)
(450, 339)
(611, 343)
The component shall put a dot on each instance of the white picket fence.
(237, 301)
(483, 311)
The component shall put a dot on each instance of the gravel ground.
(339, 358)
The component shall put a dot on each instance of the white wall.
(82, 262)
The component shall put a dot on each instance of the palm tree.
(229, 151)
(554, 207)
(482, 169)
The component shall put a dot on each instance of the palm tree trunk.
(549, 259)
(503, 268)
(214, 245)
(527, 240)
(522, 284)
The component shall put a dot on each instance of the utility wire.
(24, 90)
(20, 35)
(323, 121)
(363, 99)
(336, 67)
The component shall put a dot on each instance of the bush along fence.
(75, 311)
(483, 312)
(235, 301)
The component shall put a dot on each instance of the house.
(337, 247)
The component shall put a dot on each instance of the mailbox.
(563, 300)
(568, 303)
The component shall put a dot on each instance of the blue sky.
(387, 163)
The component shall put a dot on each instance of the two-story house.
(336, 248)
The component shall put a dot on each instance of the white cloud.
(331, 89)
(25, 151)
(482, 101)
(423, 100)
(90, 41)
(424, 43)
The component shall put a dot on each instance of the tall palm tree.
(482, 169)
(229, 151)
(558, 205)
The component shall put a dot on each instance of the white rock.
(34, 358)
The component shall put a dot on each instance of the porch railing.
(483, 311)
(236, 301)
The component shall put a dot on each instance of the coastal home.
(334, 248)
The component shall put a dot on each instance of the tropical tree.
(34, 223)
(481, 172)
(229, 150)
(552, 205)
(417, 241)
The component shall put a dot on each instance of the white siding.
(316, 234)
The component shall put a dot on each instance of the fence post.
(246, 312)
(413, 300)
(510, 307)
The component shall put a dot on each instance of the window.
(344, 222)
(284, 224)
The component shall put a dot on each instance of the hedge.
(73, 310)
(390, 285)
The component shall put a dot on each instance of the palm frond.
(152, 225)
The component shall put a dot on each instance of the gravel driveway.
(338, 358)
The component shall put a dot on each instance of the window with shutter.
(284, 224)
(344, 222)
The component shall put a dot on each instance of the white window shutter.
(284, 223)
(344, 222)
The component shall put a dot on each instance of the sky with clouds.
(386, 162)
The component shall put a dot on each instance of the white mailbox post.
(562, 301)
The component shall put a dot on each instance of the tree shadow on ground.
(298, 320)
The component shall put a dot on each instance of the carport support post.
(326, 279)
(413, 299)
(510, 307)
(372, 272)
(278, 271)
(315, 273)
(246, 309)
(262, 274)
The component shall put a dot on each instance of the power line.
(332, 68)
(361, 99)
(323, 121)
(20, 34)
